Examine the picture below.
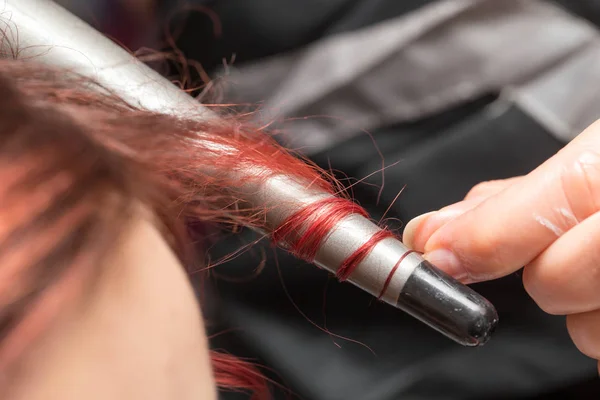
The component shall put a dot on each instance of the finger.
(490, 188)
(421, 227)
(585, 332)
(509, 229)
(565, 278)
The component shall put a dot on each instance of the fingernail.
(411, 228)
(447, 262)
(426, 224)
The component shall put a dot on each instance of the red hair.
(89, 158)
(82, 159)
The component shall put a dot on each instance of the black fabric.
(531, 353)
(270, 317)
(440, 169)
(261, 28)
(439, 159)
(588, 9)
(255, 29)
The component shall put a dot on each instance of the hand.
(547, 221)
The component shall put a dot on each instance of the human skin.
(547, 221)
(137, 335)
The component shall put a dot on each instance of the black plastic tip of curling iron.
(448, 306)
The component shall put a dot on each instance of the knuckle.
(544, 288)
(582, 333)
(484, 189)
(479, 189)
(581, 183)
(545, 303)
(589, 133)
(549, 307)
(594, 126)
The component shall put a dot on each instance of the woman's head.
(94, 200)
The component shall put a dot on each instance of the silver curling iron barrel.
(415, 285)
(50, 34)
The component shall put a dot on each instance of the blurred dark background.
(438, 143)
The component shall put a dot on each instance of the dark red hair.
(75, 161)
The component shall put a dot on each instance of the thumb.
(507, 230)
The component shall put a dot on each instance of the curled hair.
(76, 161)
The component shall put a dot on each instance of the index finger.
(509, 229)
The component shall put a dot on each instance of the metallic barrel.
(416, 287)
(44, 31)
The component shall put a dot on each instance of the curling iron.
(46, 32)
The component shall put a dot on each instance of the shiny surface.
(373, 271)
(447, 306)
(283, 196)
(51, 34)
(43, 30)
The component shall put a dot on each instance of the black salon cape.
(442, 157)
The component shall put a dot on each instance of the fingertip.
(412, 229)
(447, 261)
(420, 229)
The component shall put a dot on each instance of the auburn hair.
(76, 160)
